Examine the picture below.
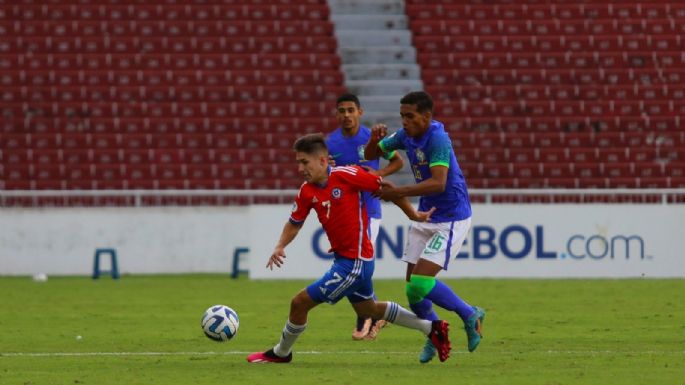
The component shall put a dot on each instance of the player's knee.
(414, 293)
(418, 288)
(299, 303)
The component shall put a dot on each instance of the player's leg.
(365, 325)
(423, 309)
(296, 324)
(417, 238)
(444, 245)
(375, 324)
(366, 306)
(300, 306)
(329, 288)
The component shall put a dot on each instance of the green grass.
(536, 332)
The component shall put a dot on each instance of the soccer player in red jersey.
(336, 196)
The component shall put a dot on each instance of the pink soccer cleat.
(268, 357)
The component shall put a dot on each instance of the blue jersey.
(349, 150)
(434, 148)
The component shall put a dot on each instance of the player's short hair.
(348, 98)
(422, 100)
(311, 144)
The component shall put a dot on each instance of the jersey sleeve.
(392, 142)
(359, 178)
(301, 207)
(439, 151)
(389, 155)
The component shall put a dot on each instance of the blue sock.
(424, 309)
(443, 296)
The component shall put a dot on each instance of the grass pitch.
(146, 330)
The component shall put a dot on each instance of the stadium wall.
(528, 240)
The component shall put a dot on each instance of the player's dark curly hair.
(348, 98)
(311, 143)
(422, 100)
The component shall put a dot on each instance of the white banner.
(147, 240)
(506, 241)
(527, 240)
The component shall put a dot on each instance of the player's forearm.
(396, 163)
(406, 206)
(427, 187)
(289, 233)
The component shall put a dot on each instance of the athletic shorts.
(349, 278)
(374, 227)
(435, 242)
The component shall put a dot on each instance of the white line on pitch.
(313, 352)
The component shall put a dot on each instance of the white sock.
(400, 316)
(288, 338)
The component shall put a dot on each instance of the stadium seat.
(585, 70)
(154, 95)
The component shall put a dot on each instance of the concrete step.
(384, 87)
(369, 22)
(381, 71)
(382, 106)
(348, 38)
(366, 6)
(377, 55)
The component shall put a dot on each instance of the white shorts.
(435, 242)
(374, 226)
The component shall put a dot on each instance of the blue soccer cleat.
(473, 327)
(428, 352)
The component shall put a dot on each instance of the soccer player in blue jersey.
(346, 148)
(440, 183)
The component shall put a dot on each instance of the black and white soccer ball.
(220, 323)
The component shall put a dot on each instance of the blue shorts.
(349, 278)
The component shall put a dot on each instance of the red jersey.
(340, 208)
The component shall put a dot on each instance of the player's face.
(312, 167)
(348, 116)
(415, 123)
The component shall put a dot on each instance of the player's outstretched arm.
(406, 206)
(371, 150)
(433, 185)
(277, 257)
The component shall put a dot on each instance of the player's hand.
(378, 132)
(331, 161)
(423, 216)
(277, 258)
(388, 191)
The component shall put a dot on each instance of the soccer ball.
(220, 323)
